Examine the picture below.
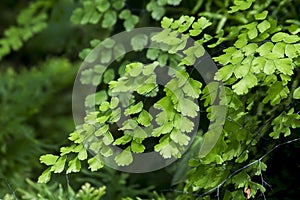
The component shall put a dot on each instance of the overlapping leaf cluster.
(21, 122)
(30, 21)
(105, 12)
(56, 191)
(117, 107)
(260, 72)
(158, 7)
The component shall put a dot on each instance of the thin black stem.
(247, 166)
(68, 186)
(13, 192)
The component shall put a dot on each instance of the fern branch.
(245, 167)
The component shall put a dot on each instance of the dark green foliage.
(28, 105)
(57, 192)
(30, 21)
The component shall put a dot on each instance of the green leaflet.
(115, 115)
(166, 22)
(179, 137)
(125, 14)
(45, 176)
(109, 19)
(134, 69)
(263, 26)
(108, 76)
(82, 153)
(187, 107)
(114, 102)
(252, 30)
(173, 91)
(30, 21)
(171, 41)
(199, 26)
(106, 55)
(269, 67)
(224, 73)
(139, 133)
(48, 159)
(134, 109)
(138, 42)
(276, 93)
(104, 106)
(210, 93)
(192, 53)
(184, 124)
(279, 49)
(165, 128)
(167, 149)
(118, 4)
(108, 138)
(75, 137)
(262, 15)
(241, 179)
(106, 151)
(174, 2)
(284, 122)
(296, 94)
(152, 53)
(290, 51)
(183, 23)
(123, 140)
(225, 58)
(103, 5)
(88, 76)
(249, 49)
(137, 147)
(66, 150)
(59, 166)
(149, 89)
(280, 36)
(156, 10)
(284, 65)
(240, 5)
(74, 165)
(95, 163)
(242, 41)
(163, 117)
(149, 69)
(242, 70)
(144, 118)
(243, 86)
(129, 124)
(95, 99)
(130, 20)
(124, 158)
(192, 88)
(118, 51)
(164, 103)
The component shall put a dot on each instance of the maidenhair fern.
(158, 7)
(173, 121)
(105, 11)
(58, 192)
(256, 87)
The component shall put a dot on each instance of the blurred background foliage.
(38, 67)
(36, 80)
